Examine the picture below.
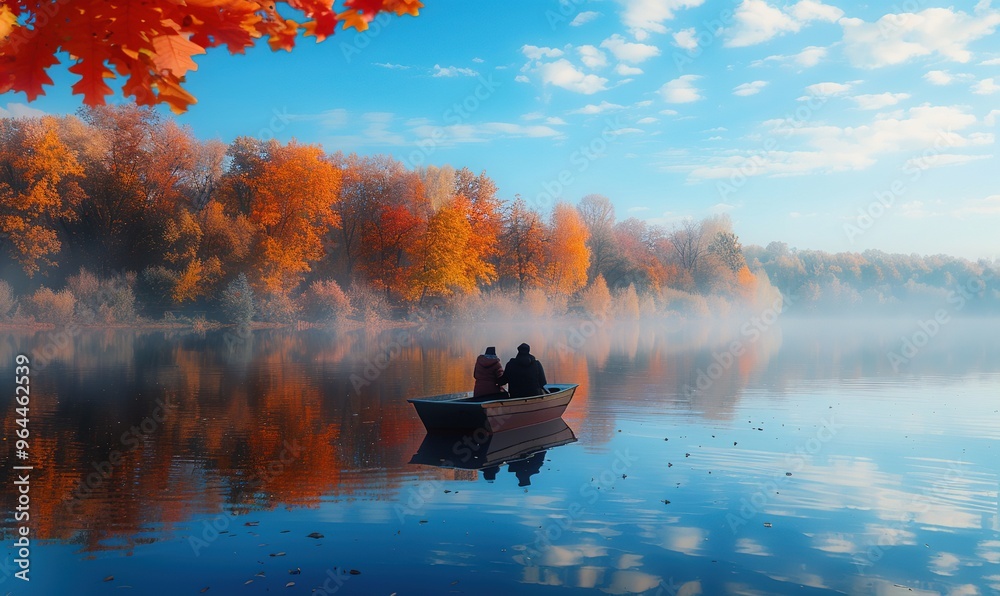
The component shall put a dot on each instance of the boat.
(491, 413)
(456, 450)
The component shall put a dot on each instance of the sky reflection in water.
(806, 464)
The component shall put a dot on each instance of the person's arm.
(502, 379)
(541, 374)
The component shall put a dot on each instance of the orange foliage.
(296, 192)
(746, 284)
(38, 174)
(153, 42)
(521, 247)
(384, 247)
(566, 250)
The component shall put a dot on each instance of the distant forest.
(117, 215)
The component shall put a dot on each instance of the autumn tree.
(641, 256)
(153, 43)
(38, 187)
(296, 194)
(371, 186)
(485, 218)
(135, 166)
(522, 251)
(599, 216)
(687, 242)
(566, 252)
(727, 248)
(441, 266)
(385, 248)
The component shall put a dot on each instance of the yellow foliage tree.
(567, 255)
(442, 265)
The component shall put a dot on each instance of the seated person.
(487, 372)
(524, 376)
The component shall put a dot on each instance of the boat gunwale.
(445, 399)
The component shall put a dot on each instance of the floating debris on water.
(315, 535)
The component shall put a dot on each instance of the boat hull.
(491, 414)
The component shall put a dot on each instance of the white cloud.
(938, 160)
(647, 120)
(807, 58)
(598, 108)
(645, 16)
(478, 60)
(681, 90)
(810, 56)
(988, 206)
(628, 71)
(756, 21)
(562, 73)
(452, 71)
(898, 38)
(625, 51)
(391, 66)
(555, 121)
(669, 112)
(820, 148)
(686, 39)
(879, 100)
(537, 53)
(521, 79)
(592, 57)
(826, 90)
(992, 118)
(985, 87)
(938, 77)
(483, 132)
(584, 17)
(752, 88)
(990, 62)
(20, 110)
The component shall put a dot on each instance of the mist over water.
(765, 455)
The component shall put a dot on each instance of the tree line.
(130, 214)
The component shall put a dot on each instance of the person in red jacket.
(487, 372)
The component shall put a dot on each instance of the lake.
(788, 457)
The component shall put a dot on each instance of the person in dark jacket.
(487, 373)
(524, 376)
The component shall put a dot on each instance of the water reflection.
(522, 448)
(869, 476)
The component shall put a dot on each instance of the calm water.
(801, 459)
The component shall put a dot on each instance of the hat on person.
(491, 351)
(524, 348)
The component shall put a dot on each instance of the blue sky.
(826, 125)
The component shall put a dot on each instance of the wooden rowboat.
(491, 413)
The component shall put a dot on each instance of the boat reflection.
(522, 450)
